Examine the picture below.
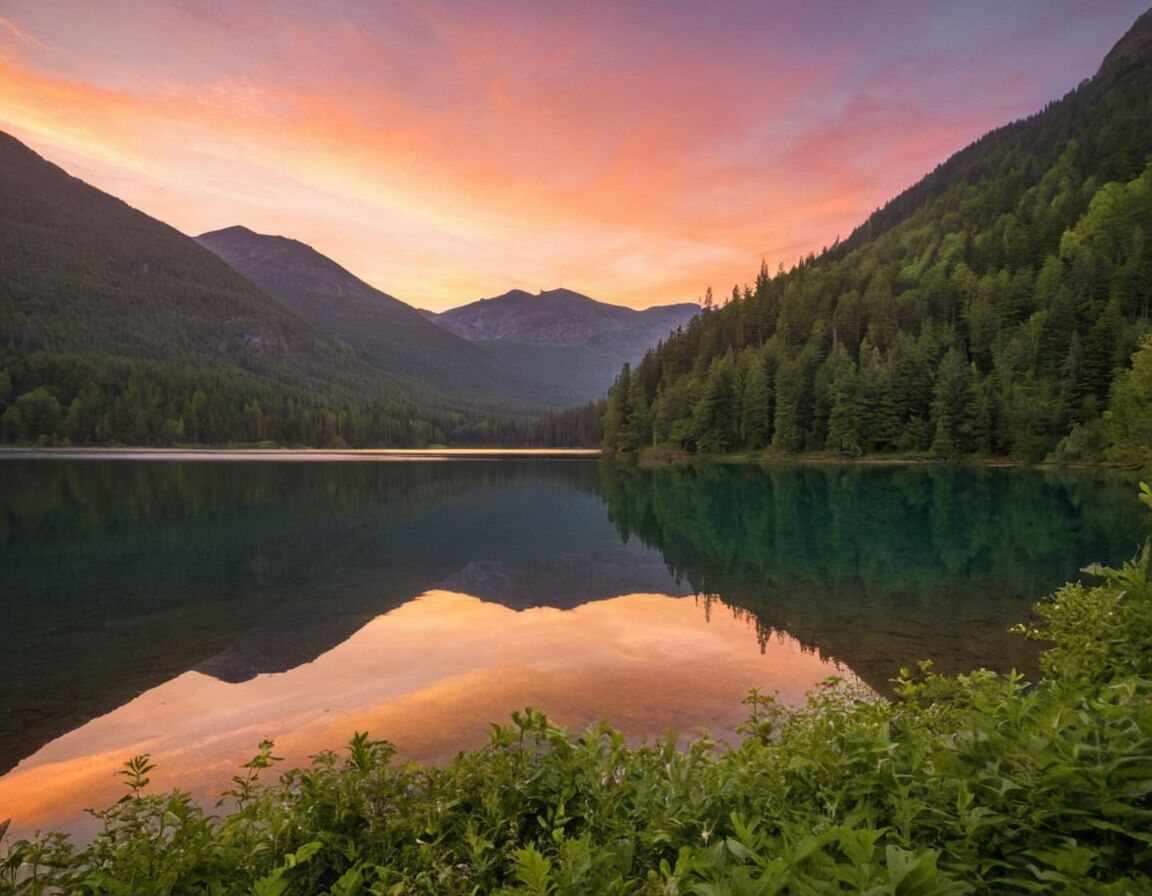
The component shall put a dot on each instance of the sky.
(638, 152)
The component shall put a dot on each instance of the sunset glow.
(443, 151)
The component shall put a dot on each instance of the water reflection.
(881, 567)
(192, 584)
(119, 576)
(431, 676)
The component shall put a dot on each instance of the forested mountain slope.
(554, 366)
(384, 331)
(114, 327)
(988, 309)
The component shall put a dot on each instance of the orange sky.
(444, 151)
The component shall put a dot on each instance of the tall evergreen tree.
(716, 419)
(755, 420)
(952, 407)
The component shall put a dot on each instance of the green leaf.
(534, 871)
(912, 873)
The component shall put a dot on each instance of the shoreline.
(648, 458)
(294, 454)
(654, 457)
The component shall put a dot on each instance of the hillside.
(116, 328)
(385, 332)
(992, 308)
(83, 271)
(544, 368)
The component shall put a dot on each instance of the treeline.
(62, 399)
(50, 399)
(577, 427)
(988, 310)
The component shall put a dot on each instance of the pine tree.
(637, 433)
(755, 423)
(1128, 422)
(788, 427)
(1100, 350)
(880, 428)
(952, 407)
(846, 415)
(715, 419)
(617, 412)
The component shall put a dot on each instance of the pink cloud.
(650, 150)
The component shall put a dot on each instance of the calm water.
(189, 609)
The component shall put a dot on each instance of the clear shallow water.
(190, 609)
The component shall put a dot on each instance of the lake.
(189, 609)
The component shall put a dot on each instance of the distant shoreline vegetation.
(49, 400)
(969, 783)
(651, 457)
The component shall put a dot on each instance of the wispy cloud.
(20, 34)
(637, 152)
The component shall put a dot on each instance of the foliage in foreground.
(971, 784)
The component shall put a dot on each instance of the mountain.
(564, 317)
(114, 327)
(385, 332)
(992, 308)
(555, 350)
(84, 270)
(1103, 118)
(561, 331)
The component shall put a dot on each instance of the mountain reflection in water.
(128, 582)
(431, 676)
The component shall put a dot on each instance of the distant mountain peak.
(249, 252)
(563, 316)
(513, 295)
(385, 331)
(238, 235)
(545, 297)
(395, 337)
(566, 295)
(234, 230)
